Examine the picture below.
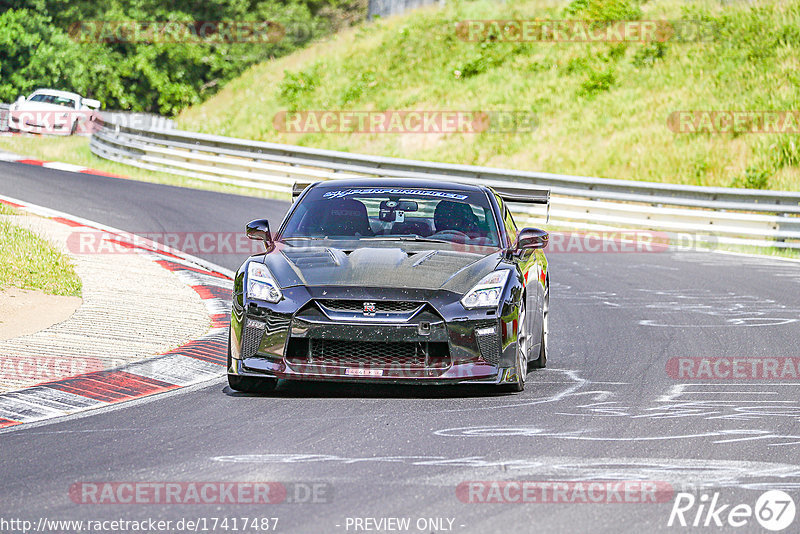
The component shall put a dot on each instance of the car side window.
(511, 229)
(511, 226)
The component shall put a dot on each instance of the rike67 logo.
(774, 510)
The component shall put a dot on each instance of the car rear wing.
(91, 103)
(508, 194)
(298, 188)
(525, 196)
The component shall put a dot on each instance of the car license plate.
(358, 371)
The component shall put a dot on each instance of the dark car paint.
(306, 273)
(411, 266)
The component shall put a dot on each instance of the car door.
(526, 263)
(530, 267)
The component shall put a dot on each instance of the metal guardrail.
(387, 8)
(714, 214)
(145, 121)
(4, 109)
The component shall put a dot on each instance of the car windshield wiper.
(415, 237)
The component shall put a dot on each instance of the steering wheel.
(451, 232)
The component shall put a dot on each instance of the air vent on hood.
(436, 259)
(423, 257)
(316, 258)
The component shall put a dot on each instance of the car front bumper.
(439, 343)
(25, 122)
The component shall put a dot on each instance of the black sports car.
(389, 280)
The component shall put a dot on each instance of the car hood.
(455, 271)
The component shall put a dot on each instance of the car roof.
(56, 92)
(398, 182)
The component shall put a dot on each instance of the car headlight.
(260, 283)
(487, 292)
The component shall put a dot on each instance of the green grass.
(30, 262)
(762, 251)
(602, 107)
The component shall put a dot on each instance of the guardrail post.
(783, 216)
(4, 111)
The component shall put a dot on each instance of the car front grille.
(276, 322)
(255, 329)
(370, 354)
(252, 333)
(381, 306)
(489, 344)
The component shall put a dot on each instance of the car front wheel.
(521, 361)
(249, 384)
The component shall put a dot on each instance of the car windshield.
(53, 99)
(394, 213)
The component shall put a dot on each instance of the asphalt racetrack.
(609, 406)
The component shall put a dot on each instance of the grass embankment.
(602, 107)
(30, 262)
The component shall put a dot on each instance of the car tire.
(521, 361)
(249, 384)
(541, 361)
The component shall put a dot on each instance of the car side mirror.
(20, 100)
(532, 238)
(259, 229)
